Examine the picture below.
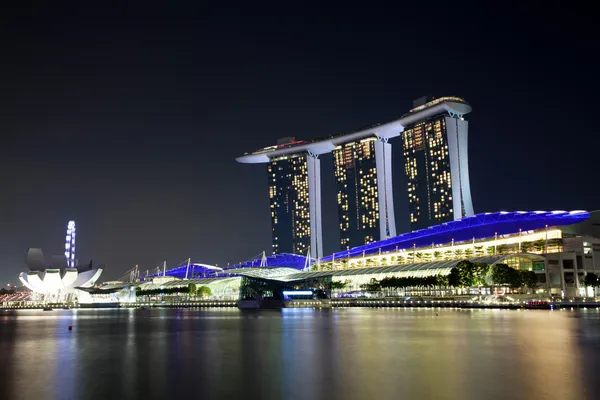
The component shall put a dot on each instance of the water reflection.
(299, 354)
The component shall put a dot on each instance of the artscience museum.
(54, 280)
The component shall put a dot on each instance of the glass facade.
(357, 192)
(427, 168)
(290, 209)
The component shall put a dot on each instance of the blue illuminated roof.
(276, 260)
(295, 261)
(477, 226)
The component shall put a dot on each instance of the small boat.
(538, 305)
(47, 309)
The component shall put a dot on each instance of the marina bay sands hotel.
(434, 141)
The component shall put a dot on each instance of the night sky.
(128, 119)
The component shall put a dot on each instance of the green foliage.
(161, 291)
(405, 282)
(454, 277)
(204, 291)
(372, 286)
(437, 255)
(502, 249)
(458, 253)
(529, 279)
(192, 289)
(479, 251)
(538, 245)
(468, 253)
(502, 274)
(466, 274)
(490, 250)
(526, 247)
(337, 285)
(555, 243)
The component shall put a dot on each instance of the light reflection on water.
(300, 354)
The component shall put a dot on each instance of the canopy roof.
(477, 226)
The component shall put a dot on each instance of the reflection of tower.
(70, 245)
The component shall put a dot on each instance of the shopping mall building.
(561, 247)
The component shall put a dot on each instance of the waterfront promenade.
(462, 302)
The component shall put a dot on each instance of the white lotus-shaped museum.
(55, 281)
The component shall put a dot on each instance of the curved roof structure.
(416, 269)
(476, 226)
(293, 261)
(452, 105)
(290, 275)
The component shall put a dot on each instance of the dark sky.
(128, 119)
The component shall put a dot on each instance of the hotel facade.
(434, 136)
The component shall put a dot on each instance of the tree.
(204, 291)
(591, 279)
(502, 274)
(372, 286)
(468, 253)
(479, 251)
(490, 250)
(467, 270)
(458, 253)
(337, 285)
(191, 289)
(454, 277)
(529, 279)
(437, 255)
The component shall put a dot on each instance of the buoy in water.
(70, 328)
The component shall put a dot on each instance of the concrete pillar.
(383, 163)
(313, 165)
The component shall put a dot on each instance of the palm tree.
(437, 255)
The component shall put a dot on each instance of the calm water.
(300, 354)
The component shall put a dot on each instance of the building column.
(313, 165)
(383, 163)
(457, 131)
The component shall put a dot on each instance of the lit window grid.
(288, 193)
(428, 141)
(360, 158)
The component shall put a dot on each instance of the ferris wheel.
(70, 245)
